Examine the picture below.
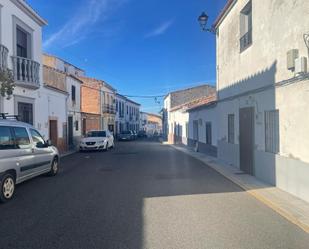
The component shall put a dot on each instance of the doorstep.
(292, 208)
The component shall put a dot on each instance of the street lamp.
(203, 19)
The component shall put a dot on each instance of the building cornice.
(226, 10)
(21, 4)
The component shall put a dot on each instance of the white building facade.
(120, 121)
(263, 91)
(132, 115)
(150, 123)
(21, 51)
(74, 119)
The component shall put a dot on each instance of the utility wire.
(144, 97)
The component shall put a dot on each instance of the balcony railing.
(26, 72)
(110, 109)
(246, 40)
(3, 57)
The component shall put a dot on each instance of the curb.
(68, 154)
(290, 217)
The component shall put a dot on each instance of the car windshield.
(126, 132)
(96, 134)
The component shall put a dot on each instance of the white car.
(97, 140)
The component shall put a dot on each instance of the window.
(231, 128)
(272, 131)
(187, 130)
(25, 112)
(6, 139)
(22, 43)
(73, 93)
(127, 110)
(22, 138)
(246, 27)
(76, 125)
(208, 133)
(195, 130)
(37, 138)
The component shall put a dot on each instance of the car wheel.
(54, 167)
(7, 187)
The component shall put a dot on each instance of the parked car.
(142, 134)
(126, 136)
(135, 136)
(24, 154)
(97, 140)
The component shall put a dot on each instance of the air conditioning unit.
(292, 55)
(301, 65)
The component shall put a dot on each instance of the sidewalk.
(289, 206)
(67, 153)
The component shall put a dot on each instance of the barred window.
(208, 133)
(272, 140)
(231, 128)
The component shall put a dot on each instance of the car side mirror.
(48, 143)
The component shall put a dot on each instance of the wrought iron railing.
(111, 109)
(26, 71)
(3, 57)
(246, 40)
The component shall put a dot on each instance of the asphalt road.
(140, 195)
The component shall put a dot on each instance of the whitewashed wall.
(74, 108)
(208, 114)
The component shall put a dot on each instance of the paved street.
(140, 195)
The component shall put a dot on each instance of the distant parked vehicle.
(135, 136)
(142, 134)
(97, 140)
(126, 136)
(24, 154)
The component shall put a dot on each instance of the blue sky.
(141, 47)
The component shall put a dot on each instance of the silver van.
(24, 154)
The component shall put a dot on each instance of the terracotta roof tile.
(222, 13)
(196, 103)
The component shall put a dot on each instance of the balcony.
(26, 72)
(109, 109)
(3, 57)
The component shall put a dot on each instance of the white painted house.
(150, 123)
(73, 86)
(21, 51)
(263, 91)
(132, 115)
(69, 82)
(33, 100)
(175, 116)
(120, 120)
